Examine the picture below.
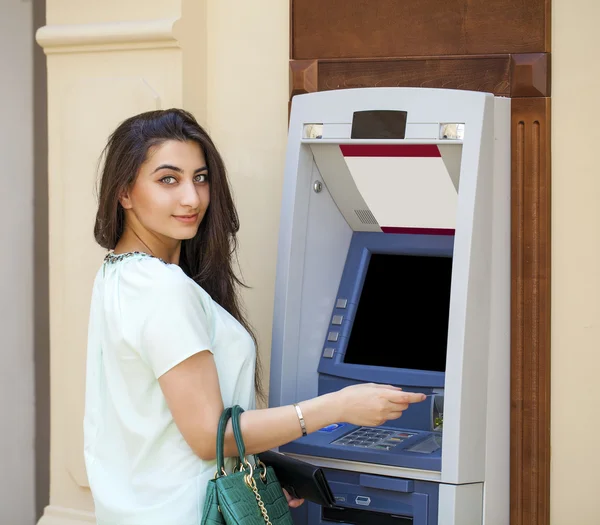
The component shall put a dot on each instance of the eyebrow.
(178, 170)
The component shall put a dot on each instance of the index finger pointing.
(407, 397)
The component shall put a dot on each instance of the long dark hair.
(207, 257)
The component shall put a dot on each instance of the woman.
(168, 345)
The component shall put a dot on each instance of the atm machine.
(394, 267)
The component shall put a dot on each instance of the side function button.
(328, 353)
(341, 303)
(333, 336)
(337, 319)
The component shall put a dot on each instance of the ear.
(125, 199)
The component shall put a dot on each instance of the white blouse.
(146, 317)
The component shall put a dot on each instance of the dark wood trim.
(303, 76)
(516, 75)
(530, 315)
(530, 75)
(547, 26)
(477, 73)
(384, 28)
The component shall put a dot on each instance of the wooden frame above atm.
(497, 46)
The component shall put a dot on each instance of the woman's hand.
(372, 405)
(294, 503)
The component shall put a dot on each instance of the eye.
(201, 178)
(169, 179)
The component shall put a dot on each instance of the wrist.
(336, 406)
(321, 411)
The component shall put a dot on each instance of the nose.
(189, 196)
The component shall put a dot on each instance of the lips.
(189, 219)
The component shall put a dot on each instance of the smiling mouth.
(186, 218)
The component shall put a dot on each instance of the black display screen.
(402, 315)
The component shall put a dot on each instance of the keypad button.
(341, 303)
(333, 336)
(328, 353)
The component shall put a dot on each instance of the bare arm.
(194, 397)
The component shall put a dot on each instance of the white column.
(223, 60)
(106, 61)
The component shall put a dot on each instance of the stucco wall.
(575, 263)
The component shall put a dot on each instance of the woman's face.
(171, 193)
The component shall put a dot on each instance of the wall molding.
(513, 75)
(530, 312)
(109, 36)
(530, 75)
(54, 515)
(304, 76)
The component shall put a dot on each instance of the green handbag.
(251, 494)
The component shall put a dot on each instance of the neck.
(133, 239)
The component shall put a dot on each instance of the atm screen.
(402, 315)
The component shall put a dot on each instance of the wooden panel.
(530, 75)
(530, 337)
(392, 28)
(526, 75)
(490, 74)
(303, 76)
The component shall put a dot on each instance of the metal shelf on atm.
(342, 141)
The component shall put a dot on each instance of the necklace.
(112, 258)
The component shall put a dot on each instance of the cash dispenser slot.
(376, 500)
(362, 517)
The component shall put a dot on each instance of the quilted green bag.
(251, 494)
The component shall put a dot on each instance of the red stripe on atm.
(390, 150)
(418, 231)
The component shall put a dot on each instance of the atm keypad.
(373, 438)
(337, 320)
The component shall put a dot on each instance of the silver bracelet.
(301, 419)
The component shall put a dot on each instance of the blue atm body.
(414, 443)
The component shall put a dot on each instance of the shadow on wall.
(41, 339)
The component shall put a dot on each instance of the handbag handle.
(236, 412)
(225, 416)
(232, 413)
(237, 432)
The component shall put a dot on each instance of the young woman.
(168, 346)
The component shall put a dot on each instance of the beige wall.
(17, 489)
(575, 479)
(247, 116)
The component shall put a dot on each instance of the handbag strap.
(239, 440)
(225, 416)
(237, 431)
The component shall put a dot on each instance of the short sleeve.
(169, 314)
